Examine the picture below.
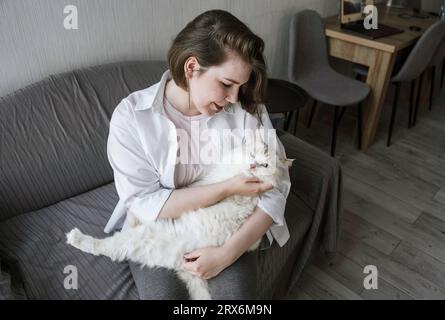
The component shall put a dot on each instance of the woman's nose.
(233, 96)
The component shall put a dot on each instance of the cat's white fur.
(163, 243)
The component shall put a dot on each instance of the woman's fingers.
(253, 179)
(249, 185)
(257, 183)
(192, 255)
(262, 184)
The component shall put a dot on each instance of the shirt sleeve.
(137, 182)
(273, 202)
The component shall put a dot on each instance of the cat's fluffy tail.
(197, 287)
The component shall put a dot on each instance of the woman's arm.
(193, 198)
(208, 262)
(250, 232)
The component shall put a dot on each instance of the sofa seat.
(35, 244)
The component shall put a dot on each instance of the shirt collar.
(153, 97)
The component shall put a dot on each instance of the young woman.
(216, 79)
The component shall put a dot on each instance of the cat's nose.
(252, 166)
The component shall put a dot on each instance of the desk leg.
(378, 79)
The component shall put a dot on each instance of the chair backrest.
(284, 96)
(307, 44)
(420, 56)
(53, 134)
(439, 55)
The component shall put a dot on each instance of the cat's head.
(265, 159)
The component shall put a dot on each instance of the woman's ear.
(191, 65)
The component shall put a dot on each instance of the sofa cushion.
(53, 133)
(35, 245)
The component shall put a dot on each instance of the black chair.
(285, 97)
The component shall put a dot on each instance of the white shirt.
(142, 150)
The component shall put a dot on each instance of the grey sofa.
(54, 175)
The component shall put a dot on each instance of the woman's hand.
(208, 262)
(246, 186)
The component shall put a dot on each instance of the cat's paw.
(73, 237)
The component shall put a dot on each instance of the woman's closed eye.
(226, 85)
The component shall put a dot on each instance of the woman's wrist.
(226, 189)
(230, 253)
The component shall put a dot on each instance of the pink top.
(188, 169)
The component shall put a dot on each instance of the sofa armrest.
(316, 179)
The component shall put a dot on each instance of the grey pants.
(237, 282)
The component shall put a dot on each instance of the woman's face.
(217, 86)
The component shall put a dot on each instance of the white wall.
(34, 43)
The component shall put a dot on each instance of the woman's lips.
(218, 106)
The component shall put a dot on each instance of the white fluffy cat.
(163, 243)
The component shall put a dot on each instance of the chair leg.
(297, 117)
(359, 126)
(443, 73)
(311, 117)
(393, 114)
(419, 91)
(433, 78)
(411, 103)
(288, 119)
(342, 113)
(334, 131)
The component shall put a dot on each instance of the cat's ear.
(287, 161)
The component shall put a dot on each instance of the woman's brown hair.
(209, 38)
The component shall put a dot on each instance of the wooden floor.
(394, 209)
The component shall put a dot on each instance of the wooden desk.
(379, 55)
